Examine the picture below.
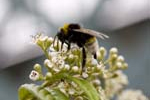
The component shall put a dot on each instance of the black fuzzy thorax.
(79, 38)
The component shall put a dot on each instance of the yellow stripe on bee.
(91, 40)
(65, 28)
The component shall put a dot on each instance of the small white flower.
(44, 38)
(48, 63)
(71, 91)
(74, 84)
(51, 50)
(123, 79)
(71, 56)
(56, 69)
(61, 67)
(61, 62)
(34, 75)
(99, 66)
(85, 75)
(94, 61)
(55, 59)
(50, 39)
(53, 54)
(36, 38)
(61, 86)
(57, 43)
(64, 49)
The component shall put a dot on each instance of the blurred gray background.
(125, 21)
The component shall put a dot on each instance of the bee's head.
(63, 31)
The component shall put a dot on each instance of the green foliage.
(33, 92)
(88, 88)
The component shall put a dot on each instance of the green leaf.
(88, 88)
(58, 95)
(33, 92)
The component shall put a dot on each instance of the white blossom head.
(34, 75)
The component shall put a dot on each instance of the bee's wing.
(91, 32)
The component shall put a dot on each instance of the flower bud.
(79, 98)
(44, 38)
(50, 39)
(102, 51)
(85, 75)
(96, 82)
(113, 59)
(42, 42)
(39, 43)
(120, 58)
(125, 65)
(37, 67)
(113, 50)
(67, 67)
(48, 42)
(75, 69)
(118, 64)
(71, 56)
(48, 75)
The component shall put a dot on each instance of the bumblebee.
(84, 38)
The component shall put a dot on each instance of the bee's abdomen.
(92, 45)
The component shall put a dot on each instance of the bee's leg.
(62, 43)
(68, 46)
(95, 56)
(83, 59)
(57, 45)
(69, 41)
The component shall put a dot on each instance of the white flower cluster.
(116, 84)
(132, 95)
(104, 73)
